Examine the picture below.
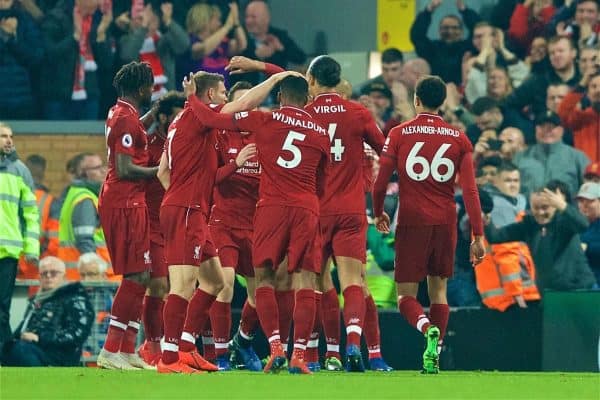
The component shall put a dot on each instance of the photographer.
(20, 49)
(580, 112)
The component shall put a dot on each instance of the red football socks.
(196, 316)
(304, 316)
(220, 319)
(208, 343)
(174, 317)
(354, 314)
(152, 317)
(413, 312)
(438, 314)
(123, 310)
(330, 309)
(248, 321)
(268, 314)
(285, 306)
(371, 328)
(312, 348)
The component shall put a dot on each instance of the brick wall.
(57, 150)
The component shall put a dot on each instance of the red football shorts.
(281, 230)
(424, 250)
(234, 247)
(159, 263)
(344, 235)
(127, 235)
(187, 238)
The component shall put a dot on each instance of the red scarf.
(85, 60)
(148, 54)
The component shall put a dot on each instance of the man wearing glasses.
(79, 225)
(57, 321)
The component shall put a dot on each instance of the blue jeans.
(71, 110)
(24, 354)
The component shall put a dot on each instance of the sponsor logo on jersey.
(127, 140)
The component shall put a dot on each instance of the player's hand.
(520, 301)
(122, 21)
(477, 250)
(241, 64)
(189, 85)
(30, 337)
(246, 153)
(9, 25)
(382, 223)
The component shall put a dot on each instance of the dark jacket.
(58, 73)
(18, 54)
(290, 54)
(63, 322)
(555, 247)
(445, 59)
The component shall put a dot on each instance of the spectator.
(267, 43)
(49, 211)
(513, 142)
(588, 60)
(412, 71)
(21, 49)
(57, 321)
(555, 94)
(79, 228)
(537, 59)
(37, 8)
(154, 37)
(444, 55)
(378, 99)
(552, 233)
(529, 21)
(491, 115)
(580, 111)
(213, 43)
(19, 224)
(592, 173)
(577, 20)
(588, 201)
(392, 61)
(77, 36)
(487, 170)
(493, 82)
(92, 268)
(532, 92)
(506, 276)
(550, 158)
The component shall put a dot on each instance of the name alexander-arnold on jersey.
(430, 130)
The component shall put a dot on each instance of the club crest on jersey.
(196, 252)
(127, 140)
(147, 259)
(240, 115)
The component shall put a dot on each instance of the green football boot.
(431, 358)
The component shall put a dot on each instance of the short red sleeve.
(249, 121)
(126, 136)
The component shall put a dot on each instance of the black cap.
(377, 87)
(547, 116)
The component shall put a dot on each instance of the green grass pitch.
(92, 383)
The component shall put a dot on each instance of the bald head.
(257, 18)
(344, 89)
(414, 69)
(513, 142)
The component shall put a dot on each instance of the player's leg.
(152, 313)
(210, 283)
(312, 347)
(285, 295)
(371, 332)
(220, 319)
(439, 311)
(330, 309)
(126, 234)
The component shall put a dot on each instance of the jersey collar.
(296, 109)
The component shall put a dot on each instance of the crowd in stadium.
(524, 87)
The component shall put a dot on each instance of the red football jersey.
(427, 153)
(154, 189)
(125, 134)
(293, 151)
(192, 159)
(236, 189)
(348, 125)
